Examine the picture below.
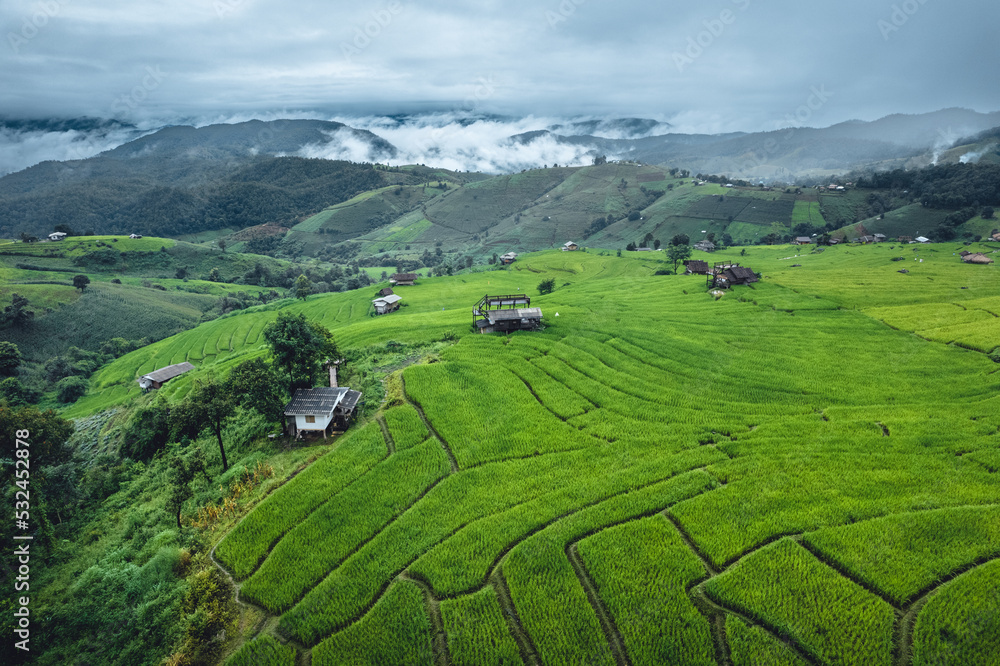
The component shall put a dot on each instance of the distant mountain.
(781, 154)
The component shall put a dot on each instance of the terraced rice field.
(793, 474)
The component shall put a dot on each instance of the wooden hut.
(977, 258)
(570, 247)
(695, 267)
(508, 258)
(158, 378)
(386, 304)
(403, 279)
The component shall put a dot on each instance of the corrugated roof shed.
(388, 300)
(169, 372)
(310, 402)
(521, 313)
(350, 400)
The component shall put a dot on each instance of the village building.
(134, 236)
(996, 236)
(570, 247)
(696, 267)
(158, 378)
(385, 292)
(803, 240)
(728, 274)
(57, 236)
(977, 258)
(505, 314)
(386, 304)
(705, 246)
(508, 258)
(323, 410)
(922, 239)
(880, 238)
(403, 279)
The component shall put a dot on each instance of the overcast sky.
(721, 65)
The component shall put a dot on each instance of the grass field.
(790, 474)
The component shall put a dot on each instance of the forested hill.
(184, 180)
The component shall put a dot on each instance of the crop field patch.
(656, 476)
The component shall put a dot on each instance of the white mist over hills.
(465, 140)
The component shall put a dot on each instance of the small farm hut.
(321, 410)
(403, 279)
(570, 247)
(158, 378)
(696, 267)
(977, 258)
(508, 258)
(386, 304)
(57, 236)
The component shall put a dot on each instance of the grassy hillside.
(653, 466)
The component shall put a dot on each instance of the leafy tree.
(302, 287)
(180, 475)
(81, 282)
(680, 239)
(17, 313)
(148, 431)
(678, 253)
(656, 244)
(256, 386)
(71, 389)
(630, 247)
(213, 275)
(222, 244)
(210, 405)
(300, 348)
(17, 394)
(546, 286)
(10, 359)
(988, 213)
(64, 228)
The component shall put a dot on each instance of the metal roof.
(388, 300)
(315, 401)
(508, 315)
(169, 372)
(350, 400)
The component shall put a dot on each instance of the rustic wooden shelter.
(403, 279)
(386, 304)
(505, 313)
(696, 267)
(728, 274)
(508, 258)
(385, 292)
(977, 258)
(158, 378)
(570, 247)
(803, 240)
(705, 246)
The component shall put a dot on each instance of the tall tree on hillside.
(17, 313)
(678, 253)
(81, 282)
(210, 406)
(680, 239)
(300, 348)
(10, 359)
(255, 385)
(302, 287)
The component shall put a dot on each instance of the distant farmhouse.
(727, 274)
(135, 236)
(508, 258)
(403, 279)
(976, 258)
(803, 240)
(695, 267)
(570, 247)
(57, 236)
(505, 314)
(158, 378)
(705, 246)
(386, 304)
